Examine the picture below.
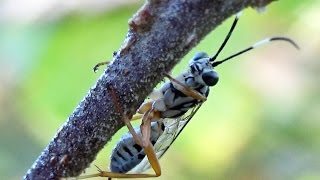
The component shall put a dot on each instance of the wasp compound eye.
(211, 78)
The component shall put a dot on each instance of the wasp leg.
(186, 90)
(132, 131)
(145, 107)
(136, 117)
(142, 110)
(95, 68)
(145, 131)
(111, 175)
(153, 162)
(145, 127)
(148, 149)
(145, 142)
(152, 112)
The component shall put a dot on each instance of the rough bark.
(159, 35)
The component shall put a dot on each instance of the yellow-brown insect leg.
(136, 117)
(117, 175)
(148, 149)
(146, 106)
(153, 160)
(145, 127)
(132, 131)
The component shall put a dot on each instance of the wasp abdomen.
(127, 153)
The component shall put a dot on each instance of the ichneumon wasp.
(165, 115)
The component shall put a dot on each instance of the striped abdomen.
(127, 153)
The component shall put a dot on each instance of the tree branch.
(160, 34)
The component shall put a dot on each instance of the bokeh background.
(260, 122)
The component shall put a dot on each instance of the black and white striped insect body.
(165, 115)
(127, 153)
(172, 102)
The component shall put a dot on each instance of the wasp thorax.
(202, 70)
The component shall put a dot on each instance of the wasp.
(165, 115)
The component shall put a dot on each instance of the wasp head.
(202, 70)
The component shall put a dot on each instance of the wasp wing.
(173, 128)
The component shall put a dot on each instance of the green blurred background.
(260, 122)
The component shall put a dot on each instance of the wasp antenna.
(286, 39)
(227, 37)
(259, 43)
